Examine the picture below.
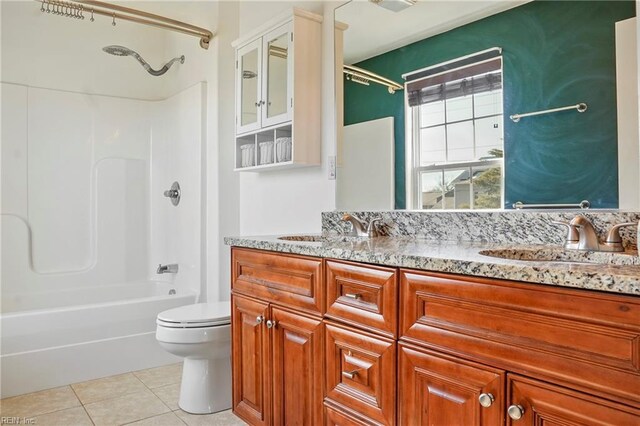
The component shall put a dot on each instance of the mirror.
(554, 54)
(277, 75)
(249, 63)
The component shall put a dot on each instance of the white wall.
(223, 192)
(291, 201)
(627, 100)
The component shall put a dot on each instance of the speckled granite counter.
(460, 258)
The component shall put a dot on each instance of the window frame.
(412, 147)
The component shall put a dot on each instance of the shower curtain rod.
(132, 15)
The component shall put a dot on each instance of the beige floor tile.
(223, 418)
(71, 416)
(126, 409)
(168, 419)
(37, 403)
(160, 376)
(107, 388)
(169, 395)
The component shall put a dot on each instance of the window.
(456, 135)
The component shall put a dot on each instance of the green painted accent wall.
(555, 53)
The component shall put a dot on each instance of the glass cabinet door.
(277, 89)
(248, 102)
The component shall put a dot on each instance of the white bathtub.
(63, 337)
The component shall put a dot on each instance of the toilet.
(201, 334)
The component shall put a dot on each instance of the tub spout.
(171, 268)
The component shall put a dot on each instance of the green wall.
(555, 53)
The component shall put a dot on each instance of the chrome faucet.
(171, 268)
(582, 235)
(360, 228)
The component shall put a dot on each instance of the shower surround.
(84, 226)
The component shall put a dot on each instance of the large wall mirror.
(426, 92)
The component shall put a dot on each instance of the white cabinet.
(278, 94)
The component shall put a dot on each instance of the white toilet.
(200, 333)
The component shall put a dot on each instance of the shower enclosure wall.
(84, 223)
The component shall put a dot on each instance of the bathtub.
(57, 338)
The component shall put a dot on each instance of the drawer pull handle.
(259, 319)
(350, 374)
(486, 399)
(353, 296)
(515, 412)
(271, 324)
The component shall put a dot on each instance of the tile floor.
(143, 398)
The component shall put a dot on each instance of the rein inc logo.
(17, 421)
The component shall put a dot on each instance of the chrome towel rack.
(362, 76)
(584, 204)
(581, 107)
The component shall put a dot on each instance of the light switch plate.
(332, 167)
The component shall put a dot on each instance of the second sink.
(551, 254)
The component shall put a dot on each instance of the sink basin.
(551, 254)
(308, 238)
(321, 238)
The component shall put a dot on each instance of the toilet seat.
(198, 315)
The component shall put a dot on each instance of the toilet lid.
(198, 315)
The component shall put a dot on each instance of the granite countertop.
(461, 257)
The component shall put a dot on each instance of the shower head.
(125, 51)
(118, 50)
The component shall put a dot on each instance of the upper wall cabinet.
(278, 94)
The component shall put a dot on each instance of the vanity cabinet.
(278, 94)
(399, 346)
(277, 339)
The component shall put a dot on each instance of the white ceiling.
(374, 30)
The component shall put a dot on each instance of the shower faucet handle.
(171, 268)
(174, 193)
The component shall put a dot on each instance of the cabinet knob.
(257, 104)
(354, 296)
(350, 374)
(271, 324)
(486, 399)
(515, 412)
(259, 319)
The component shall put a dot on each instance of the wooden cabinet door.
(250, 359)
(296, 342)
(439, 390)
(531, 402)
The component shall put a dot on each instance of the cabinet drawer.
(289, 280)
(363, 295)
(361, 373)
(339, 417)
(576, 338)
(543, 403)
